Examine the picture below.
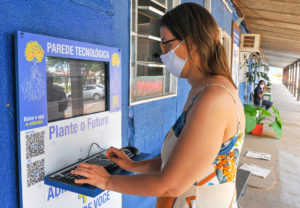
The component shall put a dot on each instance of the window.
(207, 5)
(225, 40)
(75, 87)
(148, 76)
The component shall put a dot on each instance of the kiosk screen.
(75, 87)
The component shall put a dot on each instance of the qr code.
(35, 144)
(35, 172)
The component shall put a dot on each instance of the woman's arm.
(147, 166)
(194, 152)
(119, 157)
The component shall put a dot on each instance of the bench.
(268, 95)
(242, 177)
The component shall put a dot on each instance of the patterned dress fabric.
(216, 189)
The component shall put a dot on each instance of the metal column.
(296, 78)
(298, 66)
(285, 76)
(290, 77)
(291, 80)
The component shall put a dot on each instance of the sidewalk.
(281, 187)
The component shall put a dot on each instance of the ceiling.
(278, 22)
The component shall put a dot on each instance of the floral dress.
(216, 189)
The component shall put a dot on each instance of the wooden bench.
(242, 177)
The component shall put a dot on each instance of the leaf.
(250, 122)
(277, 129)
(276, 112)
(265, 76)
(248, 106)
(277, 116)
(260, 118)
(264, 111)
(251, 109)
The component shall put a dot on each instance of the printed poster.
(68, 97)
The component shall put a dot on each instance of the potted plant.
(251, 75)
(268, 87)
(255, 115)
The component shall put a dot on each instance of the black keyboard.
(65, 176)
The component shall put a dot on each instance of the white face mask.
(261, 86)
(173, 63)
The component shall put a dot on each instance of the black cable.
(91, 148)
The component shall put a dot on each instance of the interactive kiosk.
(68, 97)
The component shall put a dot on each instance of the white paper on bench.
(255, 170)
(258, 155)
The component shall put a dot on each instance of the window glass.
(75, 87)
(225, 40)
(148, 76)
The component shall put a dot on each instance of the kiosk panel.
(68, 97)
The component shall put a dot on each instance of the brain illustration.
(115, 60)
(34, 50)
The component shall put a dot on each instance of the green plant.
(269, 83)
(251, 75)
(255, 115)
(277, 124)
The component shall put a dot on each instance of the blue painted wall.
(95, 21)
(200, 2)
(242, 89)
(222, 15)
(224, 19)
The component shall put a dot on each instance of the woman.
(198, 162)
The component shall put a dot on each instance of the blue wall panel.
(201, 2)
(222, 15)
(242, 89)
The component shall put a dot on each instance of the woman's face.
(169, 42)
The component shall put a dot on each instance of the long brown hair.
(195, 25)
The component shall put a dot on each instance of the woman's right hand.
(119, 157)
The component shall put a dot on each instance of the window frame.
(133, 62)
(227, 46)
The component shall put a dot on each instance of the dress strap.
(236, 107)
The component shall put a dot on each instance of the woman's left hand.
(95, 175)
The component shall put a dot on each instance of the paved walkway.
(281, 188)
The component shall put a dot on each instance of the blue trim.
(18, 123)
(86, 190)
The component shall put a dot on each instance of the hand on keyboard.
(95, 175)
(121, 157)
(114, 158)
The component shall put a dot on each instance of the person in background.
(199, 157)
(259, 94)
